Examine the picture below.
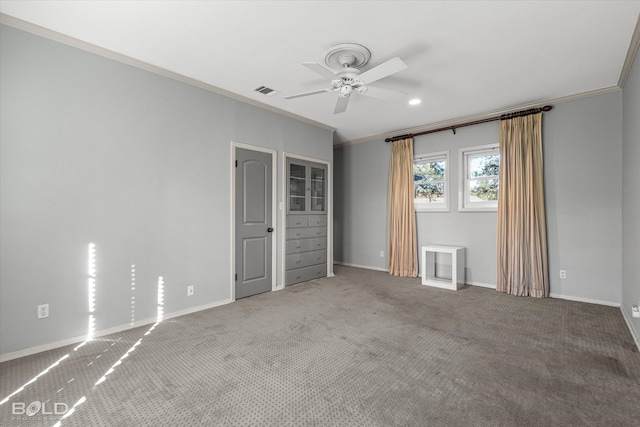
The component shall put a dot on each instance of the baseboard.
(113, 330)
(588, 300)
(634, 334)
(481, 285)
(367, 267)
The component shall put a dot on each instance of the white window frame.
(421, 206)
(464, 202)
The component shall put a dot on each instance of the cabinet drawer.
(317, 220)
(307, 273)
(306, 259)
(294, 221)
(306, 245)
(304, 233)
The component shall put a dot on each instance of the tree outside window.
(480, 178)
(430, 182)
(484, 171)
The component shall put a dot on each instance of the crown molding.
(474, 117)
(106, 53)
(631, 54)
(79, 44)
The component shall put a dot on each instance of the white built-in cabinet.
(306, 246)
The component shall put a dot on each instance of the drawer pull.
(298, 246)
(298, 276)
(298, 233)
(318, 232)
(318, 244)
(298, 222)
(298, 262)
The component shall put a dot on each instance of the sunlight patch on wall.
(133, 293)
(92, 277)
(160, 309)
(91, 294)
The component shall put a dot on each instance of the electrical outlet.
(381, 254)
(190, 290)
(43, 311)
(635, 310)
(563, 274)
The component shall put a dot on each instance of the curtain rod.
(476, 122)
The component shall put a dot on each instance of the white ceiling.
(465, 58)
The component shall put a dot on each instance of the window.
(431, 182)
(479, 178)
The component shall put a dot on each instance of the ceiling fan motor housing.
(348, 72)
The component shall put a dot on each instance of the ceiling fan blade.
(341, 105)
(317, 68)
(391, 95)
(383, 70)
(313, 92)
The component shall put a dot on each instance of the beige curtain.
(522, 233)
(402, 250)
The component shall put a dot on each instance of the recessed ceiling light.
(415, 101)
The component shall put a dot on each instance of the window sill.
(422, 210)
(478, 209)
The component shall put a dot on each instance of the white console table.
(429, 277)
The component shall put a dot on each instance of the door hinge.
(236, 276)
(236, 163)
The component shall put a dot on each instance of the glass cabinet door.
(297, 188)
(307, 191)
(318, 192)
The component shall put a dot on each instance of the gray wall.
(631, 194)
(583, 189)
(361, 179)
(96, 151)
(582, 143)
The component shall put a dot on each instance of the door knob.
(269, 229)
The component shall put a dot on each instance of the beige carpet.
(359, 349)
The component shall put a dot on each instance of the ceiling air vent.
(266, 90)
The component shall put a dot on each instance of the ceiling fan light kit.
(344, 61)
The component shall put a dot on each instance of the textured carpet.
(358, 349)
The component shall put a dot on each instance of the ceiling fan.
(345, 61)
